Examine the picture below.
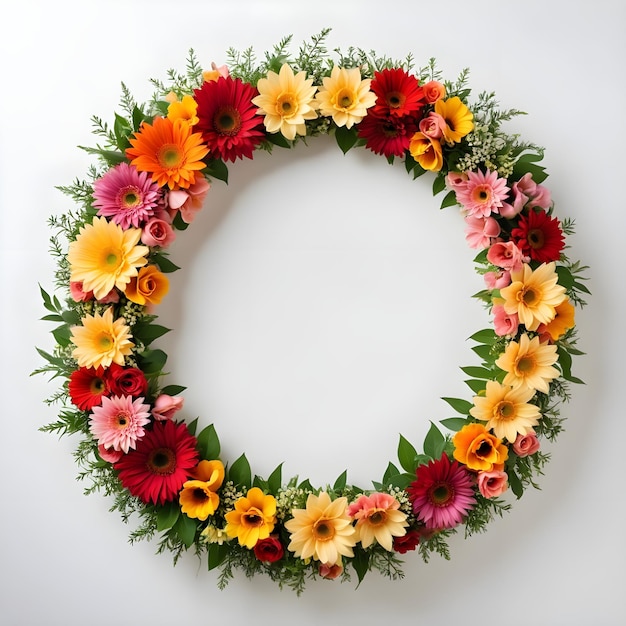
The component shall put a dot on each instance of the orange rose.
(148, 287)
(477, 448)
(433, 91)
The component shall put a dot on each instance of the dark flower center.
(536, 238)
(252, 519)
(395, 100)
(162, 461)
(227, 121)
(199, 495)
(96, 386)
(323, 531)
(441, 494)
(484, 449)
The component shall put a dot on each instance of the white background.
(322, 309)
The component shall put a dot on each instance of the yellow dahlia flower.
(506, 410)
(529, 363)
(104, 256)
(287, 101)
(345, 97)
(534, 296)
(253, 518)
(458, 118)
(323, 530)
(101, 341)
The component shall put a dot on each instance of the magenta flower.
(125, 195)
(442, 493)
(118, 423)
(482, 194)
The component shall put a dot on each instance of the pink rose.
(189, 201)
(479, 231)
(497, 280)
(526, 193)
(165, 406)
(456, 180)
(504, 323)
(526, 445)
(157, 232)
(492, 484)
(109, 455)
(330, 570)
(433, 91)
(432, 125)
(77, 292)
(111, 298)
(505, 254)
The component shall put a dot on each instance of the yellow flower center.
(526, 364)
(504, 410)
(105, 341)
(252, 519)
(481, 194)
(286, 105)
(129, 197)
(323, 531)
(345, 98)
(96, 386)
(170, 156)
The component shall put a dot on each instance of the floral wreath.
(155, 167)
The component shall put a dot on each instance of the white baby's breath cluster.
(487, 148)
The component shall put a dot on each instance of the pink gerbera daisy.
(163, 461)
(118, 422)
(482, 194)
(442, 493)
(127, 196)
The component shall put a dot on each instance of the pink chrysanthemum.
(118, 422)
(127, 196)
(442, 493)
(482, 194)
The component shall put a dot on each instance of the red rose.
(128, 381)
(406, 542)
(269, 550)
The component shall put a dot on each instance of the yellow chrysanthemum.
(184, 109)
(458, 118)
(529, 363)
(562, 322)
(345, 97)
(101, 340)
(533, 295)
(286, 100)
(253, 518)
(323, 530)
(104, 256)
(506, 410)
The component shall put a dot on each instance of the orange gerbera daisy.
(168, 150)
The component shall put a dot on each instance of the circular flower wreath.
(155, 167)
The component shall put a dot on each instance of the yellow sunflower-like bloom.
(184, 109)
(286, 100)
(149, 286)
(323, 530)
(104, 256)
(562, 322)
(506, 410)
(529, 363)
(198, 498)
(101, 340)
(533, 295)
(253, 518)
(345, 97)
(458, 118)
(477, 448)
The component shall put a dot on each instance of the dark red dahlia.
(386, 134)
(87, 386)
(398, 93)
(227, 118)
(163, 460)
(539, 236)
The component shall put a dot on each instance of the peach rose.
(505, 254)
(188, 201)
(148, 287)
(330, 570)
(432, 125)
(165, 406)
(504, 323)
(492, 484)
(526, 445)
(433, 91)
(157, 233)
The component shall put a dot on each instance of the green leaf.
(434, 442)
(167, 515)
(401, 481)
(346, 137)
(71, 317)
(165, 265)
(110, 156)
(361, 563)
(51, 318)
(462, 406)
(278, 139)
(449, 200)
(391, 470)
(147, 333)
(516, 484)
(121, 130)
(340, 483)
(239, 472)
(185, 528)
(275, 480)
(483, 351)
(406, 455)
(178, 222)
(209, 444)
(487, 335)
(565, 277)
(409, 162)
(192, 427)
(173, 390)
(478, 372)
(139, 116)
(439, 184)
(476, 385)
(62, 335)
(152, 361)
(216, 554)
(47, 301)
(454, 423)
(217, 169)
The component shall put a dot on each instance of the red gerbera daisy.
(539, 236)
(442, 494)
(386, 134)
(87, 387)
(399, 94)
(227, 118)
(163, 460)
